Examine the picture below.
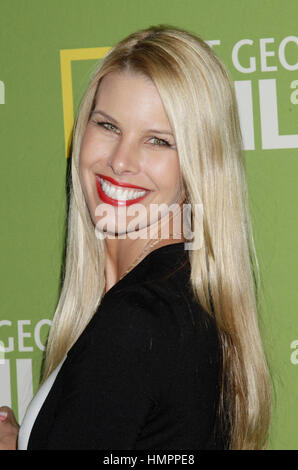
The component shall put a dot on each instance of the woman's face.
(128, 144)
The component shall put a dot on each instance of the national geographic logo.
(258, 100)
(67, 56)
(18, 340)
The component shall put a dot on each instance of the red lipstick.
(120, 183)
(116, 202)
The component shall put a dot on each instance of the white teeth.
(120, 194)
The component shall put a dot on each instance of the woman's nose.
(124, 157)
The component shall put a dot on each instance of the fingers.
(3, 416)
(9, 429)
(4, 410)
(7, 415)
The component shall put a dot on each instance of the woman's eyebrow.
(160, 131)
(98, 111)
(155, 131)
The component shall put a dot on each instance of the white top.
(34, 408)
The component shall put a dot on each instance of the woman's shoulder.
(162, 304)
(142, 324)
(155, 301)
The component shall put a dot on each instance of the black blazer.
(145, 372)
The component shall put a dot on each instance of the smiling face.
(128, 154)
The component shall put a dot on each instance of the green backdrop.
(257, 40)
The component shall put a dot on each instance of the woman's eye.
(108, 126)
(157, 141)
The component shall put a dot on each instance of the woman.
(154, 346)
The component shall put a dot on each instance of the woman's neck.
(122, 254)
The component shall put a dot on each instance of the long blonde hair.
(199, 99)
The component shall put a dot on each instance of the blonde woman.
(155, 341)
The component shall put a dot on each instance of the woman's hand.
(9, 429)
